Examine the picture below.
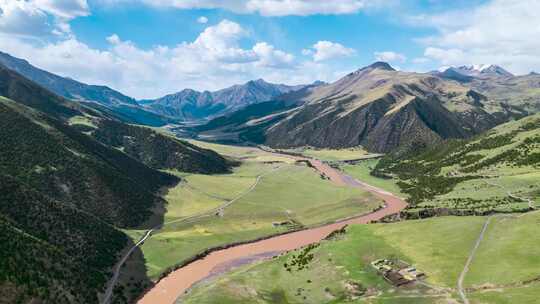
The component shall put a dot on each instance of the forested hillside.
(51, 251)
(67, 165)
(159, 151)
(64, 194)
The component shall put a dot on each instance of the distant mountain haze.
(124, 107)
(187, 104)
(191, 104)
(493, 81)
(65, 87)
(467, 72)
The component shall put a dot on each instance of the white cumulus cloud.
(269, 7)
(325, 50)
(38, 18)
(202, 20)
(499, 32)
(213, 60)
(270, 57)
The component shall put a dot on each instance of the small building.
(395, 278)
(412, 272)
(397, 272)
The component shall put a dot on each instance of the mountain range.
(187, 104)
(470, 72)
(495, 82)
(376, 107)
(101, 97)
(190, 104)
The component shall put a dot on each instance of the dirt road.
(179, 281)
(469, 261)
(116, 273)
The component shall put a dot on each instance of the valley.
(383, 186)
(312, 230)
(268, 194)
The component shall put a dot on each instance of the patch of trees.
(301, 260)
(42, 271)
(524, 154)
(532, 125)
(76, 233)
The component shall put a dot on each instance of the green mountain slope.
(159, 151)
(52, 251)
(182, 156)
(64, 194)
(497, 171)
(70, 166)
(16, 87)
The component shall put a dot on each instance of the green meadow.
(361, 171)
(340, 271)
(265, 189)
(331, 154)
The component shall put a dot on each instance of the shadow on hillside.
(133, 279)
(158, 214)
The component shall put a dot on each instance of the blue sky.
(147, 48)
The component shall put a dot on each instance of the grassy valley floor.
(265, 195)
(268, 189)
(332, 154)
(503, 270)
(361, 171)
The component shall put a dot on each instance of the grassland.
(498, 261)
(266, 189)
(331, 154)
(362, 171)
(511, 295)
(82, 120)
(340, 272)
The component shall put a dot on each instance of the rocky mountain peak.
(376, 66)
(497, 70)
(381, 65)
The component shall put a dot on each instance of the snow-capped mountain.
(479, 70)
(466, 73)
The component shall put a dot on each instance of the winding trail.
(178, 282)
(510, 194)
(116, 272)
(461, 290)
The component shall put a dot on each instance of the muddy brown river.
(179, 281)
